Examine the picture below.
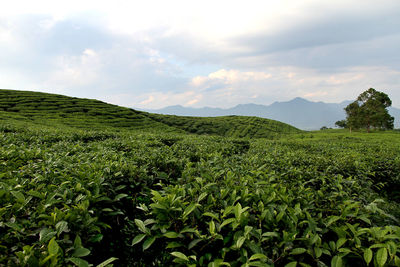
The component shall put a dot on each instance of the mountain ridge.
(299, 112)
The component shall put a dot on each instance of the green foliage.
(282, 209)
(341, 124)
(76, 197)
(68, 112)
(370, 110)
(229, 126)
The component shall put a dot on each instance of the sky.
(151, 54)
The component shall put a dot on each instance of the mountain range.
(299, 112)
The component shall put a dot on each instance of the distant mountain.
(299, 112)
(395, 112)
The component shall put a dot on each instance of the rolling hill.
(53, 110)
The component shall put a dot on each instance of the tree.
(341, 124)
(370, 110)
(353, 120)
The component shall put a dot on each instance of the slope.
(231, 126)
(62, 111)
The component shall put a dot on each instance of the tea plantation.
(63, 111)
(85, 190)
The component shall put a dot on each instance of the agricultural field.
(71, 112)
(84, 193)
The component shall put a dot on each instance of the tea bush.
(71, 197)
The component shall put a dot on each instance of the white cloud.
(227, 88)
(213, 20)
(6, 35)
(155, 100)
(208, 53)
(148, 101)
(75, 71)
(229, 77)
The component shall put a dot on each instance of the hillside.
(232, 126)
(299, 112)
(58, 110)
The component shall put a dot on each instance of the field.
(79, 192)
(70, 112)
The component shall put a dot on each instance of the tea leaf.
(331, 220)
(227, 221)
(336, 261)
(107, 262)
(368, 255)
(381, 256)
(257, 256)
(149, 241)
(202, 196)
(171, 235)
(77, 242)
(298, 251)
(79, 262)
(120, 196)
(81, 252)
(138, 239)
(240, 241)
(61, 226)
(340, 242)
(194, 243)
(189, 210)
(179, 255)
(211, 227)
(46, 234)
(141, 226)
(53, 247)
(18, 195)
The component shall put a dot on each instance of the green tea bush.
(73, 197)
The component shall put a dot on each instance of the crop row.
(78, 197)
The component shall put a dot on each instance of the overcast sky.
(152, 54)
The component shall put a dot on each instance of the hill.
(62, 111)
(299, 112)
(232, 126)
(58, 110)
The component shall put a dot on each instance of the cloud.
(227, 88)
(79, 57)
(309, 34)
(154, 100)
(331, 28)
(75, 71)
(228, 77)
(149, 100)
(205, 54)
(379, 51)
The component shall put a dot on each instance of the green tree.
(353, 120)
(370, 111)
(341, 124)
